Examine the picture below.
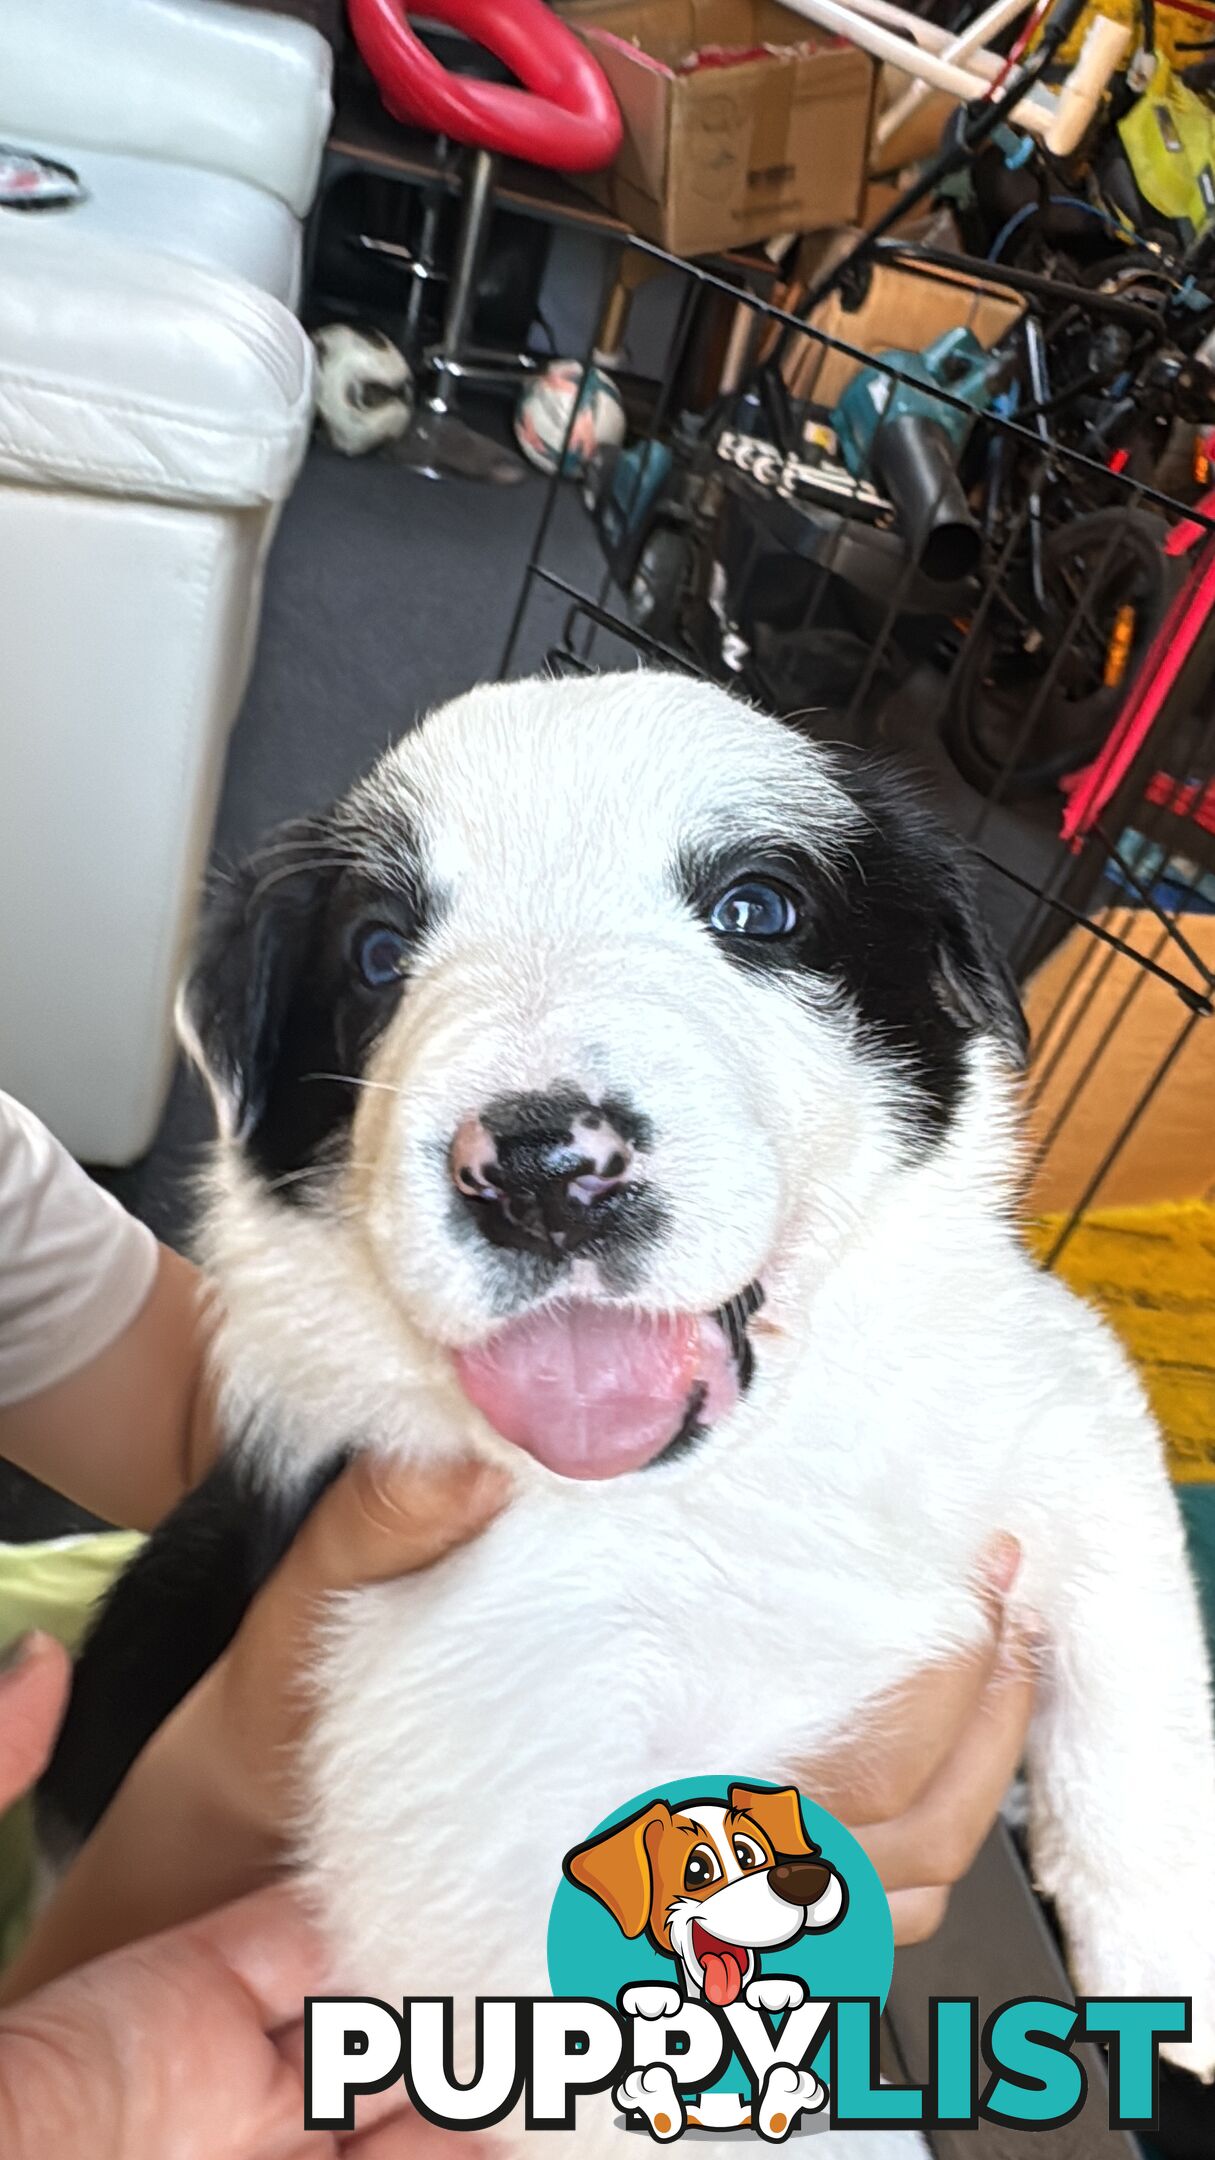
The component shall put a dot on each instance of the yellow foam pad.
(1151, 1271)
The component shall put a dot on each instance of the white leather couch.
(155, 404)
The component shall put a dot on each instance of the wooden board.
(1102, 1028)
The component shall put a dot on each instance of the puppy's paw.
(1197, 2054)
(1160, 1948)
(775, 1992)
(650, 1999)
(652, 2092)
(787, 2094)
(719, 2111)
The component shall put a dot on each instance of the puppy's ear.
(616, 1868)
(928, 873)
(779, 1815)
(257, 930)
(974, 982)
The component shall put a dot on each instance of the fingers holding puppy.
(923, 1790)
(911, 1732)
(921, 1854)
(377, 1521)
(381, 1518)
(34, 1675)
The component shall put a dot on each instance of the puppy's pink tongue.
(723, 1977)
(594, 1390)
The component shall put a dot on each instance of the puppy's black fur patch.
(275, 999)
(165, 1622)
(893, 924)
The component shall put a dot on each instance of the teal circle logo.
(698, 1884)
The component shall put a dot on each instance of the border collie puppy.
(617, 1087)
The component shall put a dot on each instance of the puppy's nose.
(799, 1882)
(545, 1173)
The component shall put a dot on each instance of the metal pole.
(461, 294)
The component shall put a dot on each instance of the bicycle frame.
(1164, 665)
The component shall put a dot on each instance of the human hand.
(33, 1689)
(922, 1789)
(242, 1727)
(199, 1819)
(188, 2047)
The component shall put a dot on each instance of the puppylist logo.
(737, 1900)
(719, 1953)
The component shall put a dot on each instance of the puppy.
(713, 1885)
(618, 1087)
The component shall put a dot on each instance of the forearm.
(179, 1839)
(134, 1429)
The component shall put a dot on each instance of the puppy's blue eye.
(379, 955)
(754, 909)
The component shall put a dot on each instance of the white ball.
(543, 416)
(364, 388)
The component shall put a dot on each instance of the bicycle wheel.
(1033, 695)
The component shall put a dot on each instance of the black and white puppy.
(613, 1087)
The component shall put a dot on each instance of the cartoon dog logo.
(713, 1885)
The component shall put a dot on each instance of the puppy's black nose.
(546, 1173)
(799, 1882)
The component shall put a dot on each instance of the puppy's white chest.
(482, 1720)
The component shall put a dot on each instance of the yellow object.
(1169, 138)
(53, 1586)
(1172, 29)
(1118, 649)
(1151, 1271)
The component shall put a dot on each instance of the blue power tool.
(908, 441)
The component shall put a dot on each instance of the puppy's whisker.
(317, 1171)
(355, 1080)
(806, 712)
(314, 866)
(291, 1177)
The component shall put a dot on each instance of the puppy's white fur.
(918, 1386)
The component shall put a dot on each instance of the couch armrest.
(124, 372)
(193, 82)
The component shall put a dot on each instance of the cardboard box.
(902, 308)
(771, 142)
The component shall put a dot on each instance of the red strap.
(1089, 791)
(565, 117)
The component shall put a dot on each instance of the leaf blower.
(908, 442)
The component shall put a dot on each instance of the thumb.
(378, 1520)
(33, 1685)
(381, 1518)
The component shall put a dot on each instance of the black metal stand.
(441, 443)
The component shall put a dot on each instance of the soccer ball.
(543, 416)
(364, 388)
